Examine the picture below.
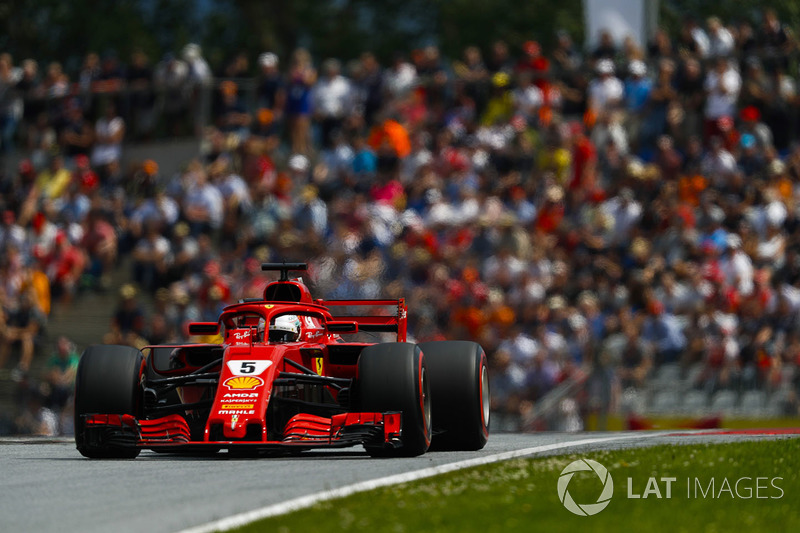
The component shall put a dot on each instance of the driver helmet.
(285, 328)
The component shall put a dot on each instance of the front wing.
(303, 431)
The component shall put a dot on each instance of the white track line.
(239, 520)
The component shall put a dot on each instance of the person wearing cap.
(271, 91)
(231, 114)
(534, 61)
(500, 105)
(606, 90)
(551, 213)
(722, 86)
(199, 72)
(637, 86)
(751, 124)
(751, 157)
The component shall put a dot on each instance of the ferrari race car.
(283, 378)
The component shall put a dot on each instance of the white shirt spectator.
(723, 91)
(333, 97)
(12, 235)
(738, 269)
(209, 199)
(605, 92)
(700, 39)
(400, 78)
(509, 265)
(162, 208)
(199, 73)
(521, 348)
(626, 213)
(338, 159)
(440, 213)
(159, 245)
(235, 189)
(105, 153)
(527, 99)
(720, 43)
(718, 165)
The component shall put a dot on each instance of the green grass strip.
(521, 495)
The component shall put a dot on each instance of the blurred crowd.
(579, 213)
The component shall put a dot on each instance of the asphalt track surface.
(47, 486)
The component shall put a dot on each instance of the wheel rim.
(485, 395)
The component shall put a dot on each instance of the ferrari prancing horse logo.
(318, 365)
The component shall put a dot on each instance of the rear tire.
(394, 377)
(107, 382)
(459, 394)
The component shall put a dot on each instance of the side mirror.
(342, 327)
(203, 328)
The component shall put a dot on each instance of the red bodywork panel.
(302, 429)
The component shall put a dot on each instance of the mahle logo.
(585, 509)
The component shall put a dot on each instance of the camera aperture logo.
(585, 509)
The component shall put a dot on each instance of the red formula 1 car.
(284, 379)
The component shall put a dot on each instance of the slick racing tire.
(107, 382)
(459, 394)
(394, 377)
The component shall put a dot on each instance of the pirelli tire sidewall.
(107, 382)
(394, 377)
(460, 395)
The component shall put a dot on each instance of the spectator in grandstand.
(231, 114)
(302, 77)
(109, 132)
(722, 86)
(53, 181)
(76, 134)
(170, 79)
(332, 101)
(128, 322)
(720, 39)
(151, 256)
(11, 106)
(66, 263)
(21, 330)
(60, 372)
(606, 91)
(271, 92)
(139, 78)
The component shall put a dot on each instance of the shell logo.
(243, 383)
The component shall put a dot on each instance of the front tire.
(460, 394)
(394, 377)
(107, 382)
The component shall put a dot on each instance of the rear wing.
(389, 323)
